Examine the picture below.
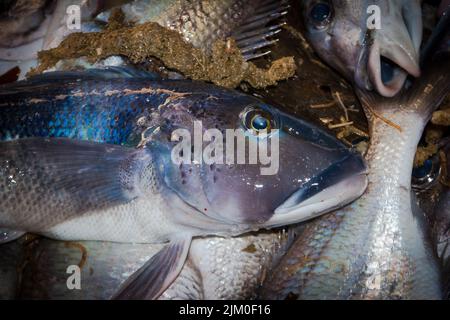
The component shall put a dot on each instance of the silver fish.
(202, 22)
(378, 247)
(372, 58)
(441, 225)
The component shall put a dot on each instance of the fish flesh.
(378, 247)
(346, 36)
(105, 172)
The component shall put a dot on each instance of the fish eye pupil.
(259, 123)
(320, 12)
(423, 170)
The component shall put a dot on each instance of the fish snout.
(394, 53)
(340, 183)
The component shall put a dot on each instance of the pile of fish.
(86, 164)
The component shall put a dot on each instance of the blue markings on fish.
(90, 159)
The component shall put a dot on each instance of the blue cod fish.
(88, 157)
(345, 34)
(379, 246)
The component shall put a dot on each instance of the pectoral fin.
(156, 275)
(65, 178)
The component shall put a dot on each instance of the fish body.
(378, 247)
(89, 157)
(374, 44)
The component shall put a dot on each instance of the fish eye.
(256, 120)
(259, 122)
(424, 176)
(320, 14)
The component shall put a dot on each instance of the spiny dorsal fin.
(257, 33)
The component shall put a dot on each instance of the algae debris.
(225, 66)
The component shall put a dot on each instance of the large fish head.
(372, 43)
(305, 171)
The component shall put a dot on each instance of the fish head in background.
(309, 172)
(378, 57)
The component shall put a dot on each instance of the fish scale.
(379, 247)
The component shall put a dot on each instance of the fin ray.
(157, 274)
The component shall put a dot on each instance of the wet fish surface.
(216, 267)
(380, 57)
(97, 180)
(379, 246)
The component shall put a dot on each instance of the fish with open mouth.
(379, 57)
(216, 267)
(88, 156)
(379, 246)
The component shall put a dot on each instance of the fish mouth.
(388, 55)
(388, 69)
(336, 186)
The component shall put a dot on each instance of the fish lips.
(386, 72)
(339, 184)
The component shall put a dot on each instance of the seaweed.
(225, 66)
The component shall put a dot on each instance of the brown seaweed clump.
(441, 117)
(225, 66)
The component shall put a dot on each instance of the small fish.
(377, 58)
(378, 247)
(87, 156)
